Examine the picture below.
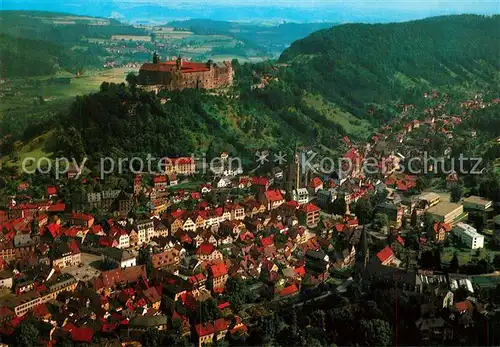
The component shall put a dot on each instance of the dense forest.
(45, 27)
(25, 57)
(358, 65)
(39, 43)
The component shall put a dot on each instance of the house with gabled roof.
(310, 214)
(208, 252)
(315, 185)
(387, 257)
(272, 199)
(217, 276)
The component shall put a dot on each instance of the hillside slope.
(356, 65)
(41, 43)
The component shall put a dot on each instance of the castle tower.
(156, 58)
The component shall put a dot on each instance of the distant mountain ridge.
(151, 12)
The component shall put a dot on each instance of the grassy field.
(349, 122)
(130, 38)
(26, 92)
(35, 148)
(58, 98)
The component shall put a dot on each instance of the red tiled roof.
(439, 226)
(310, 208)
(223, 305)
(204, 329)
(169, 66)
(218, 270)
(293, 203)
(59, 207)
(352, 222)
(273, 195)
(339, 227)
(220, 324)
(159, 179)
(51, 190)
(267, 241)
(82, 334)
(53, 229)
(461, 306)
(400, 240)
(385, 254)
(260, 181)
(301, 271)
(316, 182)
(289, 290)
(180, 160)
(205, 249)
(82, 216)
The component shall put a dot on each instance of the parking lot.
(89, 269)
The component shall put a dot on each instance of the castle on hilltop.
(180, 74)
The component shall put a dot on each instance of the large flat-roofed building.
(431, 199)
(476, 203)
(469, 235)
(445, 212)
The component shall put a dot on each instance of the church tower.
(293, 174)
(362, 253)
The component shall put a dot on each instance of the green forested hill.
(61, 28)
(323, 90)
(358, 64)
(41, 43)
(25, 57)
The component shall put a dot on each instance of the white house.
(6, 279)
(145, 230)
(223, 182)
(120, 257)
(301, 195)
(469, 235)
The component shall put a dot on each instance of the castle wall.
(218, 76)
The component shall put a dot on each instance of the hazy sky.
(406, 5)
(486, 6)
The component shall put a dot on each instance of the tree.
(496, 261)
(377, 332)
(414, 219)
(478, 219)
(454, 265)
(339, 206)
(422, 183)
(363, 210)
(208, 311)
(132, 79)
(380, 222)
(26, 333)
(456, 193)
(152, 338)
(144, 257)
